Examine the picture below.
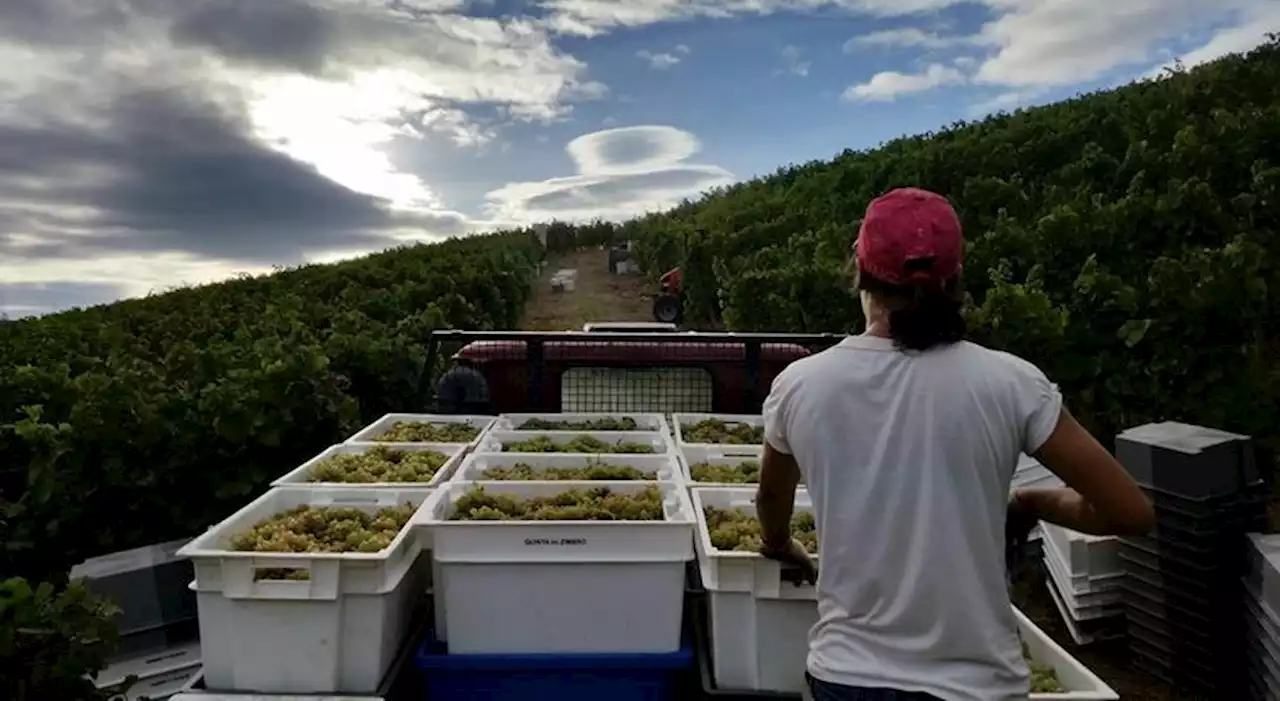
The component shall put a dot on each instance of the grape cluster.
(380, 464)
(745, 472)
(624, 423)
(735, 529)
(581, 444)
(598, 504)
(593, 470)
(312, 529)
(1044, 679)
(427, 432)
(717, 431)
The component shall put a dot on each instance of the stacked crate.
(159, 637)
(324, 622)
(1083, 574)
(1262, 615)
(1182, 601)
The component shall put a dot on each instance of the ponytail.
(920, 316)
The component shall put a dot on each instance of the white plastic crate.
(301, 475)
(1030, 473)
(161, 673)
(1081, 583)
(1084, 554)
(691, 455)
(665, 467)
(147, 583)
(1264, 568)
(680, 421)
(759, 623)
(1080, 683)
(161, 686)
(741, 571)
(1085, 632)
(1263, 634)
(644, 422)
(660, 442)
(1100, 602)
(337, 631)
(372, 432)
(560, 586)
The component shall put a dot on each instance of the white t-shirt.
(908, 458)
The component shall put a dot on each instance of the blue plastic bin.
(534, 677)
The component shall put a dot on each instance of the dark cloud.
(289, 34)
(41, 23)
(176, 169)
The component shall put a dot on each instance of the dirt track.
(599, 296)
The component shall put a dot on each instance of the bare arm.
(776, 496)
(1100, 497)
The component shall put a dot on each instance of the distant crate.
(376, 431)
(683, 423)
(301, 475)
(473, 468)
(501, 441)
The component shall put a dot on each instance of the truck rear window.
(651, 389)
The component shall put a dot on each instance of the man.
(907, 437)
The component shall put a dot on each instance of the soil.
(598, 296)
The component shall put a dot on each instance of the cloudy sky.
(149, 143)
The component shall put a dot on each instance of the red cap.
(910, 224)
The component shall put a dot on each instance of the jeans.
(826, 691)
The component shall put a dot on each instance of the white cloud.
(621, 173)
(658, 61)
(1007, 101)
(1250, 32)
(905, 37)
(889, 85)
(135, 274)
(596, 17)
(792, 62)
(1061, 42)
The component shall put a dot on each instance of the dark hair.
(920, 317)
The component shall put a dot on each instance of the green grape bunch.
(313, 529)
(580, 444)
(428, 432)
(717, 431)
(1044, 679)
(596, 504)
(736, 529)
(745, 472)
(380, 464)
(624, 423)
(594, 470)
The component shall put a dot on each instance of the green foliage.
(1125, 241)
(50, 638)
(151, 419)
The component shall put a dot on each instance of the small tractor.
(668, 304)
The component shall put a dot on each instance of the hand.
(793, 554)
(1020, 520)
